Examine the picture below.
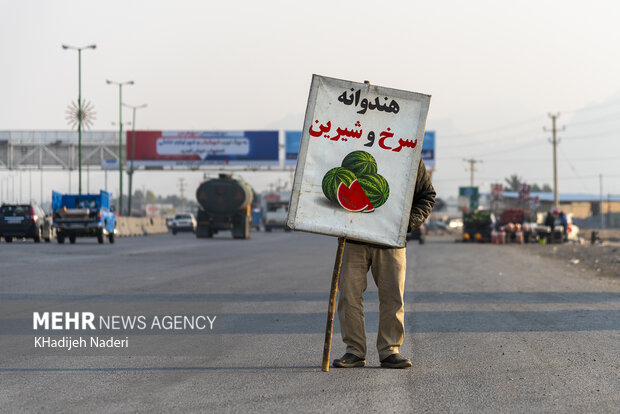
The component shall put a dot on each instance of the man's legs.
(389, 270)
(355, 265)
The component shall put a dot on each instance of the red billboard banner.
(176, 148)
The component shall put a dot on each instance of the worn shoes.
(349, 361)
(395, 361)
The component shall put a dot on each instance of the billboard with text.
(196, 148)
(292, 140)
(428, 149)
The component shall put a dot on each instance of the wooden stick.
(329, 329)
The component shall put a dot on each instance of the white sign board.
(203, 147)
(358, 161)
(109, 164)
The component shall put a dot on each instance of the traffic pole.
(329, 329)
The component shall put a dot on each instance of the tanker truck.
(224, 204)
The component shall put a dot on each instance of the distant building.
(581, 205)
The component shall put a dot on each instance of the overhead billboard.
(292, 141)
(196, 148)
(428, 149)
(358, 161)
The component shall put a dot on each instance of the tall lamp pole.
(120, 140)
(133, 152)
(80, 115)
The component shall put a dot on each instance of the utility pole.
(120, 141)
(554, 141)
(600, 176)
(133, 152)
(472, 162)
(182, 191)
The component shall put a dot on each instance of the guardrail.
(140, 226)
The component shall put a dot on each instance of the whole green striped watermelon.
(332, 180)
(376, 188)
(360, 163)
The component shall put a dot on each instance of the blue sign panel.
(428, 149)
(292, 140)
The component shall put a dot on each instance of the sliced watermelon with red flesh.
(353, 198)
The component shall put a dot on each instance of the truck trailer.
(224, 204)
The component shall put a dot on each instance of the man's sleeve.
(423, 198)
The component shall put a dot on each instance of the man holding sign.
(388, 267)
(359, 177)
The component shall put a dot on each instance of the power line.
(572, 167)
(590, 136)
(543, 159)
(531, 120)
(524, 145)
(592, 107)
(609, 117)
(541, 179)
(488, 141)
(494, 129)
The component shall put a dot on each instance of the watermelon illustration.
(353, 198)
(376, 188)
(360, 163)
(332, 180)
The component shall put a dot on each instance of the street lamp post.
(79, 50)
(133, 151)
(120, 140)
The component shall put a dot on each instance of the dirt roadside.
(603, 258)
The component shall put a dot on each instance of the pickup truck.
(478, 225)
(83, 215)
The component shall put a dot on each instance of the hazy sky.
(494, 70)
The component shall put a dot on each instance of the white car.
(456, 223)
(275, 215)
(183, 222)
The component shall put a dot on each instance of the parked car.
(455, 224)
(275, 215)
(436, 226)
(418, 234)
(24, 221)
(183, 222)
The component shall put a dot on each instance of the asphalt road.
(489, 329)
